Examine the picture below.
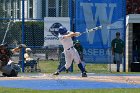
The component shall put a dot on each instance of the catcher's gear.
(22, 46)
(62, 30)
(5, 54)
(3, 46)
(4, 59)
(9, 72)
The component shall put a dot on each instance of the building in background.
(132, 30)
(34, 9)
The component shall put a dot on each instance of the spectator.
(135, 48)
(28, 54)
(29, 59)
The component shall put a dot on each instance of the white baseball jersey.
(67, 42)
(69, 51)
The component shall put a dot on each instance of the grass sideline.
(16, 90)
(51, 66)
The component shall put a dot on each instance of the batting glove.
(78, 33)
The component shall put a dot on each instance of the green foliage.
(1, 11)
(34, 33)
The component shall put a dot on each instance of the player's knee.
(77, 62)
(67, 66)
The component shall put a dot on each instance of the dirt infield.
(130, 79)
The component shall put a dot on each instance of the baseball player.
(79, 48)
(70, 52)
(117, 45)
(5, 56)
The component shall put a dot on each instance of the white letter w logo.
(100, 14)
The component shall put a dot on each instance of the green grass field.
(51, 66)
(14, 90)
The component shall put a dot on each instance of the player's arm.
(17, 49)
(72, 34)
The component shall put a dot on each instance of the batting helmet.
(3, 46)
(62, 30)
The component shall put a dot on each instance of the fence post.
(23, 35)
(124, 15)
(71, 15)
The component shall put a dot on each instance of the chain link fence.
(33, 35)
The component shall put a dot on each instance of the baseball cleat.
(118, 70)
(4, 74)
(56, 73)
(84, 74)
(67, 71)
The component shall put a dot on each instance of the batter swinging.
(69, 50)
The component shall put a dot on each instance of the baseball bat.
(92, 29)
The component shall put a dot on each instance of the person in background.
(29, 59)
(135, 48)
(117, 45)
(79, 48)
(28, 54)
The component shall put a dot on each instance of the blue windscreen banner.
(91, 13)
